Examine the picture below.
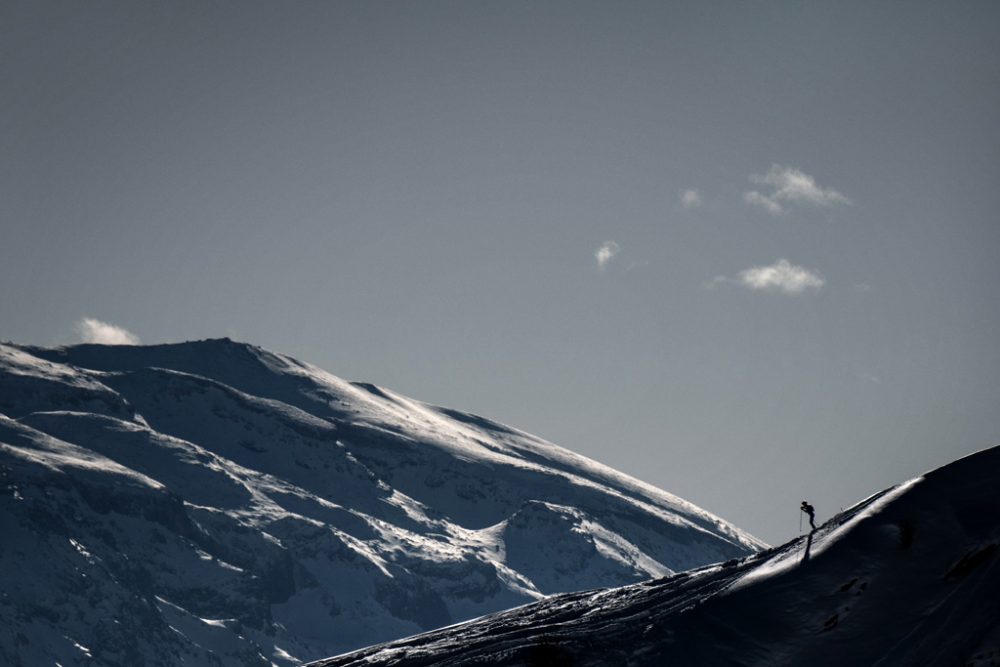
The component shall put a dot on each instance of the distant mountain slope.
(214, 503)
(909, 576)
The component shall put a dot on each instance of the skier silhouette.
(811, 511)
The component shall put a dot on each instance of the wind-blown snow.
(216, 503)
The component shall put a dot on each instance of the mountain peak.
(289, 514)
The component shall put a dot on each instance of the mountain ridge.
(907, 576)
(254, 509)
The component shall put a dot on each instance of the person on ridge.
(811, 511)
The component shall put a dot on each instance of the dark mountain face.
(217, 504)
(909, 576)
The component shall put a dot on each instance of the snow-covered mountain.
(212, 503)
(909, 576)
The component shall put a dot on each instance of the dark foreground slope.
(910, 576)
(213, 503)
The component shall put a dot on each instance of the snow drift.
(909, 576)
(215, 503)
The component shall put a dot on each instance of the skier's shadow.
(809, 543)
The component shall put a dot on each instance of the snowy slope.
(214, 503)
(909, 576)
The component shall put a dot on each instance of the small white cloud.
(790, 186)
(782, 276)
(691, 199)
(606, 253)
(93, 330)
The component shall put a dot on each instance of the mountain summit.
(215, 503)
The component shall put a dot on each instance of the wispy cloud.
(787, 186)
(691, 199)
(93, 330)
(767, 203)
(716, 282)
(782, 276)
(605, 253)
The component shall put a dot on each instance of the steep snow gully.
(909, 576)
(213, 503)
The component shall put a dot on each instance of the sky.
(746, 252)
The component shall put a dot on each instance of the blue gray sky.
(747, 252)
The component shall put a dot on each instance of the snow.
(215, 503)
(908, 576)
